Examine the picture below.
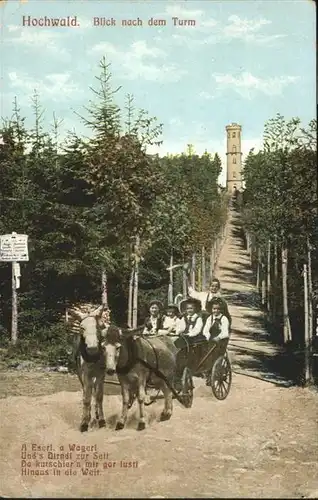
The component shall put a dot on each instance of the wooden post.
(203, 269)
(184, 284)
(258, 269)
(130, 296)
(135, 287)
(310, 294)
(211, 262)
(274, 313)
(170, 288)
(263, 287)
(268, 270)
(193, 271)
(307, 370)
(104, 289)
(199, 272)
(287, 328)
(14, 318)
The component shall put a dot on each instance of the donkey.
(138, 362)
(90, 363)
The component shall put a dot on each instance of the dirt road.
(261, 442)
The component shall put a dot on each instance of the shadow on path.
(254, 350)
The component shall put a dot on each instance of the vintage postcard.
(158, 249)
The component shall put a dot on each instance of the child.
(191, 323)
(170, 320)
(217, 326)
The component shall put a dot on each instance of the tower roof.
(233, 125)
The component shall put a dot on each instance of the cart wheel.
(221, 377)
(187, 388)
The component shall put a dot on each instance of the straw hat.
(156, 302)
(195, 302)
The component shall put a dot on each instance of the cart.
(209, 360)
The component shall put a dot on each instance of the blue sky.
(243, 61)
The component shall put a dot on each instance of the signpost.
(14, 248)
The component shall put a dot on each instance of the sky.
(239, 61)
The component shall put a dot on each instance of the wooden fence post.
(14, 318)
(307, 371)
(170, 287)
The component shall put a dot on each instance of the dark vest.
(216, 327)
(190, 323)
(148, 323)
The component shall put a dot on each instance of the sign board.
(14, 247)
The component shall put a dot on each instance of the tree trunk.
(248, 243)
(130, 296)
(258, 273)
(184, 284)
(104, 289)
(287, 328)
(199, 273)
(307, 346)
(170, 289)
(135, 288)
(14, 318)
(263, 284)
(203, 269)
(268, 280)
(274, 314)
(310, 294)
(211, 262)
(193, 270)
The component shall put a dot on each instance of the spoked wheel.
(221, 377)
(187, 388)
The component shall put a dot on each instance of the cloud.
(236, 29)
(134, 63)
(13, 27)
(55, 86)
(239, 28)
(248, 85)
(209, 23)
(38, 40)
(176, 122)
(139, 49)
(206, 95)
(181, 12)
(248, 30)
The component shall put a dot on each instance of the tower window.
(234, 160)
(234, 175)
(233, 134)
(234, 149)
(229, 135)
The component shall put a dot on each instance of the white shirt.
(202, 296)
(225, 327)
(169, 322)
(193, 330)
